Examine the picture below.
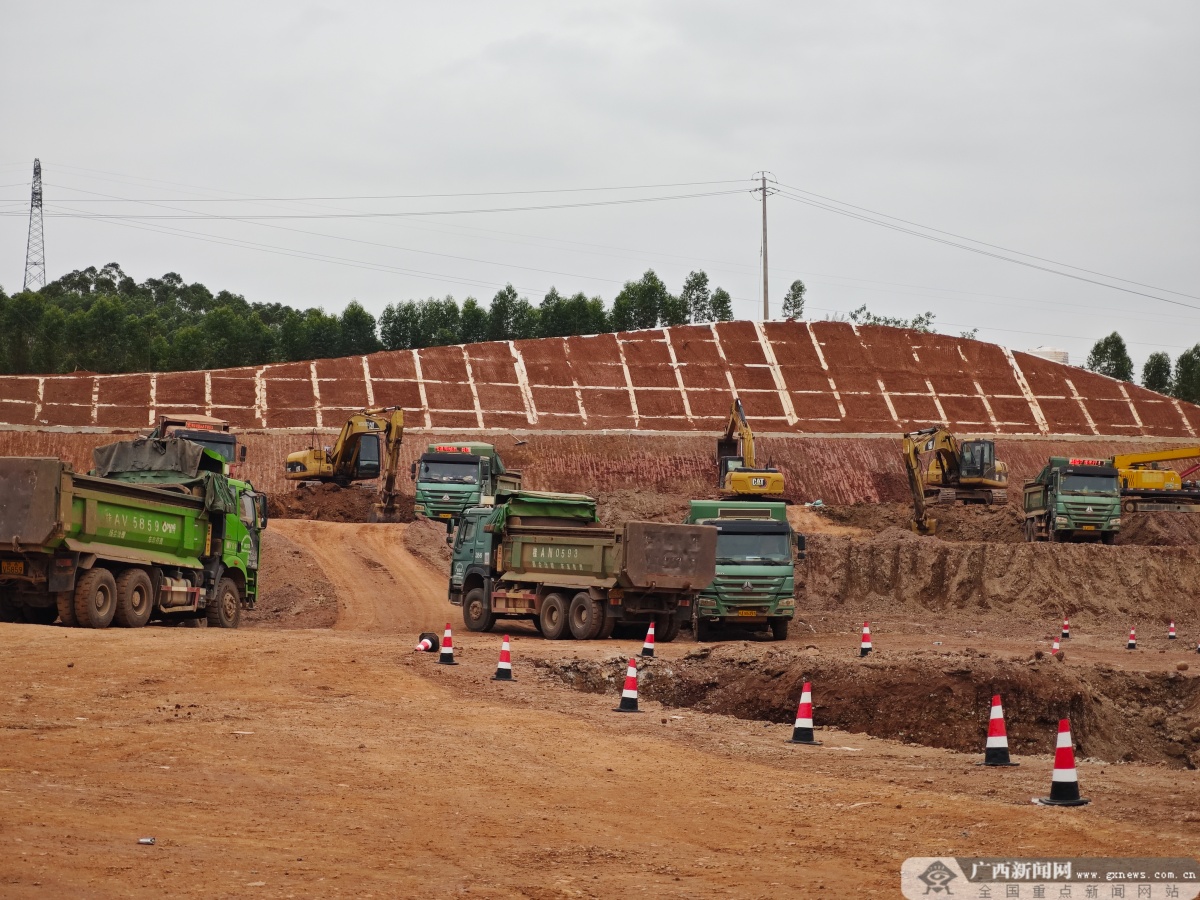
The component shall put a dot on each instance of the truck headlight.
(419, 507)
(787, 602)
(1061, 522)
(1115, 523)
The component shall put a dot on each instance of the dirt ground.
(335, 761)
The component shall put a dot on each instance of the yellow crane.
(737, 474)
(1145, 487)
(966, 471)
(367, 447)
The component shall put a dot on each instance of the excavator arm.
(391, 464)
(921, 523)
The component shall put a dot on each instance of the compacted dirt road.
(336, 762)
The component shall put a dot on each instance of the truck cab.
(1073, 499)
(755, 580)
(451, 478)
(210, 433)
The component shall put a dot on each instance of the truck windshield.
(220, 444)
(449, 472)
(1093, 484)
(733, 548)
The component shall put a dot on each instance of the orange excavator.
(968, 472)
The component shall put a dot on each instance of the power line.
(1020, 262)
(993, 246)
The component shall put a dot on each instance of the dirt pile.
(1160, 529)
(995, 524)
(934, 699)
(906, 580)
(618, 507)
(426, 540)
(293, 591)
(330, 503)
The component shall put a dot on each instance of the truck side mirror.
(412, 471)
(242, 453)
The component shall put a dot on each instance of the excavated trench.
(929, 698)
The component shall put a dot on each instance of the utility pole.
(35, 249)
(763, 176)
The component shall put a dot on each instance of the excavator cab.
(978, 459)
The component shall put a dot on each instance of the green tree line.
(101, 320)
(1180, 379)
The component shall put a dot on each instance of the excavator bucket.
(928, 526)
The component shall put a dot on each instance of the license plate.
(12, 568)
(444, 516)
(1089, 527)
(747, 612)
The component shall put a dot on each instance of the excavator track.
(999, 497)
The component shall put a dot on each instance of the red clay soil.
(293, 591)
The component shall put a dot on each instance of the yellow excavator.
(737, 475)
(1147, 488)
(367, 447)
(968, 472)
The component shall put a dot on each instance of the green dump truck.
(546, 557)
(154, 531)
(1073, 500)
(755, 581)
(452, 477)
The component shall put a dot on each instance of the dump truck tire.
(66, 608)
(477, 612)
(96, 598)
(40, 615)
(135, 599)
(666, 628)
(779, 627)
(9, 611)
(701, 629)
(225, 610)
(587, 617)
(555, 618)
(606, 630)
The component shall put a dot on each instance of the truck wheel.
(40, 615)
(477, 612)
(9, 611)
(225, 610)
(537, 624)
(666, 627)
(66, 608)
(95, 598)
(701, 629)
(135, 599)
(779, 627)
(1108, 537)
(554, 617)
(606, 629)
(587, 617)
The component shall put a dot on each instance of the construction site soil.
(334, 761)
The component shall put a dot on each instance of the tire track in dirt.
(381, 586)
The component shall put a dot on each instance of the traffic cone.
(427, 643)
(865, 647)
(504, 667)
(995, 752)
(629, 694)
(1171, 631)
(1064, 783)
(648, 646)
(1066, 629)
(1132, 645)
(1054, 646)
(803, 732)
(446, 657)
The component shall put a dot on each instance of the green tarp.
(170, 461)
(544, 504)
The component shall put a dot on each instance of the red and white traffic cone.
(446, 657)
(648, 646)
(865, 648)
(1054, 646)
(1171, 631)
(1064, 783)
(629, 693)
(504, 667)
(1132, 644)
(1066, 629)
(803, 732)
(427, 642)
(995, 752)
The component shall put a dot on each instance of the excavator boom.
(1145, 487)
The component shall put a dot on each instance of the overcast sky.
(1067, 130)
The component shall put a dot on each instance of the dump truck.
(755, 580)
(1147, 486)
(1073, 499)
(452, 477)
(155, 531)
(545, 557)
